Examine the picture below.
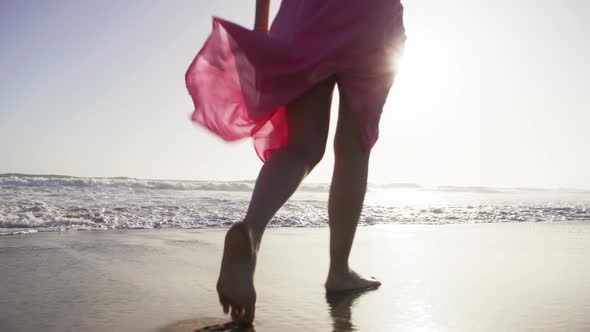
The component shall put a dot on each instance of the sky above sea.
(490, 93)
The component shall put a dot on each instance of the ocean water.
(30, 203)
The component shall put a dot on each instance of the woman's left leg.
(308, 119)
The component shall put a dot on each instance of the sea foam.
(54, 203)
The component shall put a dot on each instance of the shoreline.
(14, 231)
(462, 277)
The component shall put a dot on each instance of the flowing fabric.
(242, 81)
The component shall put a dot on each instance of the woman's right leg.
(347, 193)
(281, 174)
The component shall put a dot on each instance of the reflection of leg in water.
(227, 327)
(341, 304)
(206, 324)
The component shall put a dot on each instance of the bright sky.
(491, 93)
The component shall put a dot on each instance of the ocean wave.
(16, 180)
(210, 213)
(57, 203)
(21, 180)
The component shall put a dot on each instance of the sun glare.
(427, 86)
(426, 65)
(424, 104)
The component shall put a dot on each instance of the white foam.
(50, 203)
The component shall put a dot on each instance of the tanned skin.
(308, 120)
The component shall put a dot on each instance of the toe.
(249, 314)
(237, 314)
(224, 303)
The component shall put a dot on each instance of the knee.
(340, 147)
(311, 155)
(314, 157)
(350, 146)
(349, 140)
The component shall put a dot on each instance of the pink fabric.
(241, 80)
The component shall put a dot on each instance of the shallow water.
(465, 277)
(54, 203)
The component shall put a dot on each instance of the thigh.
(363, 92)
(349, 138)
(308, 118)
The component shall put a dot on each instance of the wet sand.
(468, 277)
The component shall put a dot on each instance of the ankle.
(338, 269)
(255, 233)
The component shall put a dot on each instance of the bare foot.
(235, 285)
(349, 281)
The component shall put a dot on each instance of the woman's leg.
(281, 174)
(347, 193)
(308, 119)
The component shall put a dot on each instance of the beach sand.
(465, 277)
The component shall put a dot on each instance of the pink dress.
(241, 80)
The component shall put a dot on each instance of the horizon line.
(398, 185)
